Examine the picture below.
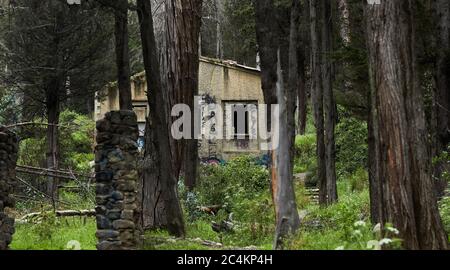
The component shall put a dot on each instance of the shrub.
(444, 206)
(359, 180)
(223, 185)
(76, 143)
(305, 153)
(351, 144)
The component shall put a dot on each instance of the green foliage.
(359, 180)
(305, 153)
(444, 206)
(55, 233)
(76, 143)
(242, 188)
(239, 179)
(239, 31)
(443, 159)
(8, 107)
(351, 144)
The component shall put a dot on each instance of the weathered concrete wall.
(224, 83)
(8, 160)
(116, 175)
(221, 82)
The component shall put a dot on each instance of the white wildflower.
(357, 233)
(360, 224)
(385, 241)
(373, 245)
(340, 248)
(393, 230)
(73, 245)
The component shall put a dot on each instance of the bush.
(305, 153)
(351, 144)
(76, 144)
(239, 179)
(359, 180)
(76, 153)
(444, 206)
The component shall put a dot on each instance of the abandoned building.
(220, 82)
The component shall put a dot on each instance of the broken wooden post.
(8, 160)
(116, 175)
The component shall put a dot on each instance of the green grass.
(55, 237)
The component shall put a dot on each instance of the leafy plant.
(351, 144)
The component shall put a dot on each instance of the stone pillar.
(8, 160)
(116, 161)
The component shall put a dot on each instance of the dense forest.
(360, 159)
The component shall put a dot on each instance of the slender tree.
(122, 55)
(317, 99)
(328, 102)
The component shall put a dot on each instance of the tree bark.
(375, 186)
(267, 37)
(122, 55)
(53, 111)
(408, 199)
(277, 63)
(219, 32)
(302, 95)
(442, 90)
(180, 54)
(158, 126)
(329, 103)
(317, 101)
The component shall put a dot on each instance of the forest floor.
(322, 228)
(344, 225)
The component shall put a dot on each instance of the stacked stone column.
(8, 160)
(116, 175)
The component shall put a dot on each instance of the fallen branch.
(51, 172)
(59, 213)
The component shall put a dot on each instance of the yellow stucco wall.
(221, 81)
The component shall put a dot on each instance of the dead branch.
(59, 213)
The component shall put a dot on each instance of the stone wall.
(116, 175)
(8, 160)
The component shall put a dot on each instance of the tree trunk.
(301, 95)
(180, 70)
(274, 57)
(375, 186)
(267, 37)
(53, 111)
(219, 31)
(405, 165)
(301, 55)
(288, 221)
(329, 104)
(122, 55)
(442, 90)
(317, 102)
(158, 126)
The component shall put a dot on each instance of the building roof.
(229, 64)
(219, 62)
